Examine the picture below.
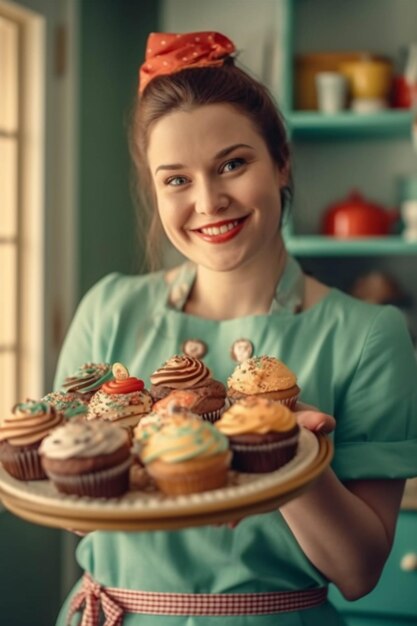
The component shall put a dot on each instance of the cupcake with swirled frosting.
(263, 435)
(187, 382)
(187, 455)
(122, 401)
(88, 459)
(266, 377)
(88, 379)
(21, 434)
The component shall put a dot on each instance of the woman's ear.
(284, 174)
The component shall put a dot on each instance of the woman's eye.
(176, 181)
(232, 165)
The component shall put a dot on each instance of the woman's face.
(217, 188)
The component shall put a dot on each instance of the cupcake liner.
(174, 484)
(23, 464)
(107, 483)
(213, 416)
(262, 458)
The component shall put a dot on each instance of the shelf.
(322, 246)
(391, 123)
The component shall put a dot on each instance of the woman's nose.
(210, 198)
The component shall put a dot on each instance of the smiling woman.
(213, 161)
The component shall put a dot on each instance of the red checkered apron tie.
(115, 602)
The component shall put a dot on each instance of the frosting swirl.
(256, 415)
(88, 377)
(80, 439)
(29, 423)
(183, 437)
(180, 372)
(261, 375)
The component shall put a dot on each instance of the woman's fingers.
(313, 419)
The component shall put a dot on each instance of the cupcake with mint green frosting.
(70, 405)
(186, 455)
(21, 434)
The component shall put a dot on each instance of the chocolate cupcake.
(263, 434)
(21, 435)
(88, 459)
(265, 377)
(188, 382)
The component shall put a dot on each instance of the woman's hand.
(313, 419)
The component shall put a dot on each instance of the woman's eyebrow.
(222, 153)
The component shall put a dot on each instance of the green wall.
(112, 43)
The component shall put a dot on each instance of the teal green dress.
(353, 360)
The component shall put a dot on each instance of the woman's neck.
(247, 290)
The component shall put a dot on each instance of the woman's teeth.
(219, 230)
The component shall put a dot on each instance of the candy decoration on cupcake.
(122, 383)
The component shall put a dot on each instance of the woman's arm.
(346, 530)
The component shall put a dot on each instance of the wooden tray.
(148, 509)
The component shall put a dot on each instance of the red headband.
(167, 53)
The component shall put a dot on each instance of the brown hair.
(185, 90)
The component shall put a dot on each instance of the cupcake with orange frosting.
(122, 401)
(88, 379)
(187, 382)
(186, 455)
(21, 434)
(265, 377)
(263, 434)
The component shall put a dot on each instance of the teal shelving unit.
(322, 246)
(391, 123)
(306, 127)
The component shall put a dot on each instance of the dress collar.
(288, 294)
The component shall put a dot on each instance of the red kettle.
(357, 217)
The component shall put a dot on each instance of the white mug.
(331, 91)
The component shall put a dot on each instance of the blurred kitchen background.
(345, 76)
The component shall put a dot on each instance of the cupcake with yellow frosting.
(186, 455)
(122, 400)
(187, 381)
(265, 377)
(21, 434)
(263, 435)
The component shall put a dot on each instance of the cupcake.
(187, 381)
(88, 459)
(20, 437)
(122, 401)
(69, 404)
(187, 455)
(266, 377)
(88, 379)
(263, 435)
